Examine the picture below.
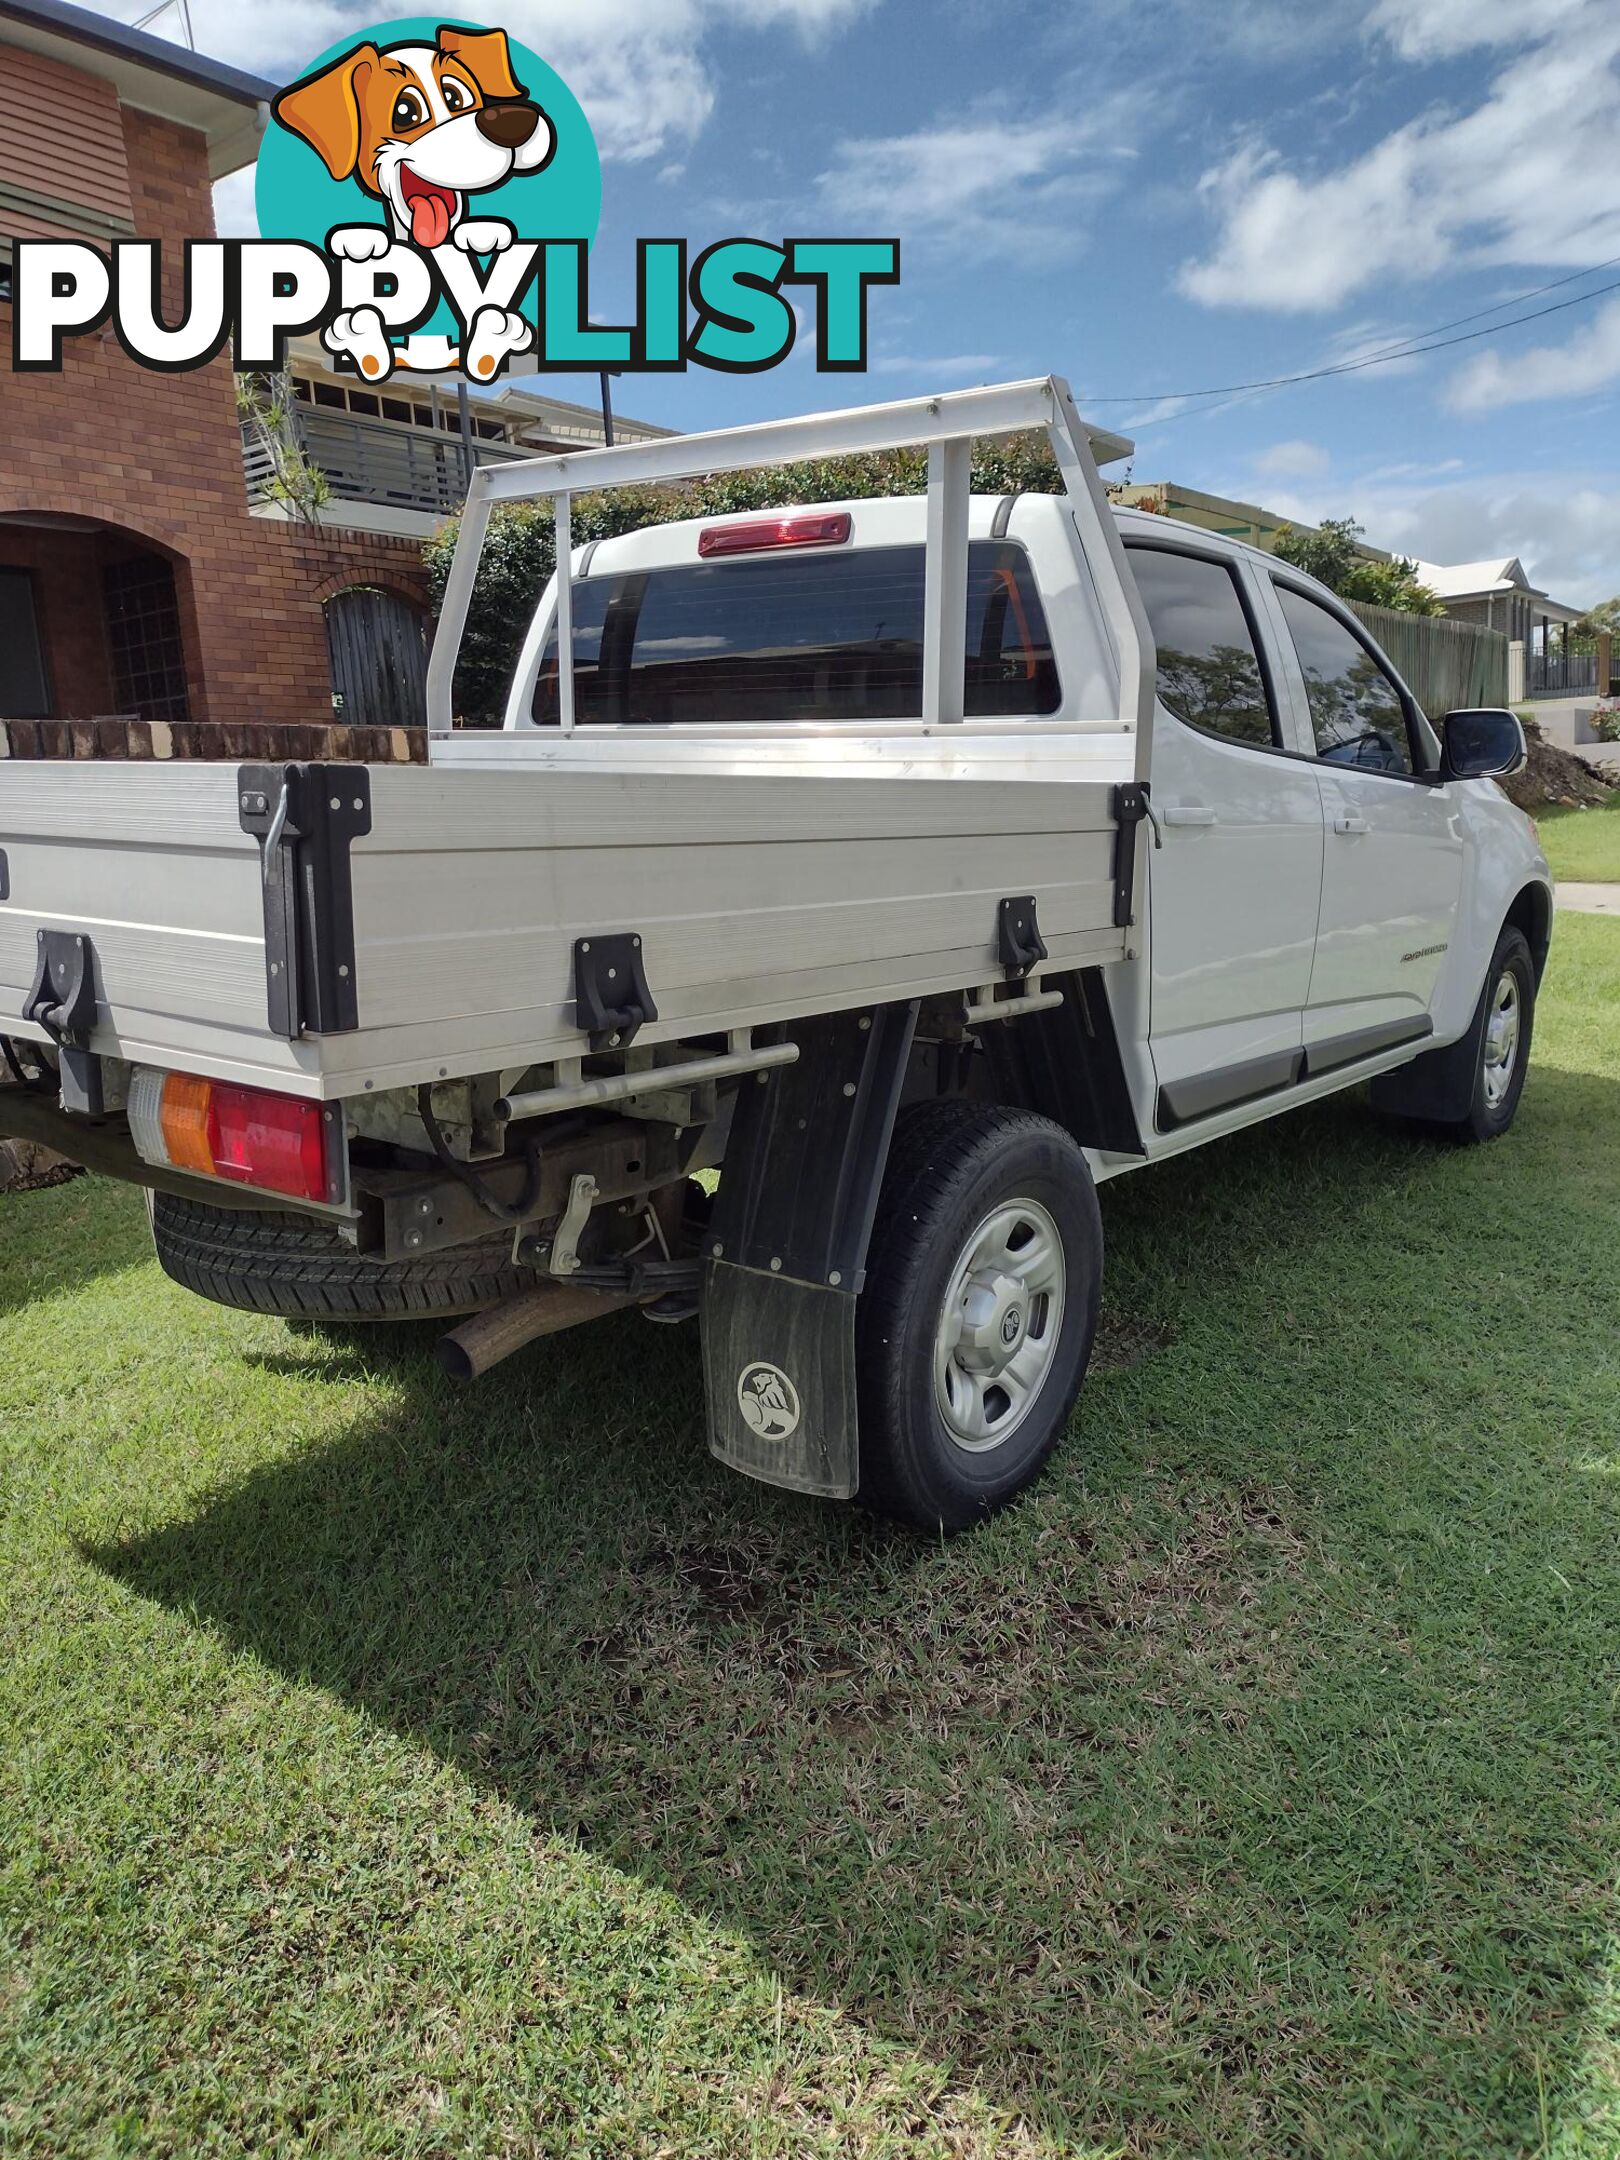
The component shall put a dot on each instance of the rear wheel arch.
(1066, 1064)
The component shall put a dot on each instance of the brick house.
(134, 580)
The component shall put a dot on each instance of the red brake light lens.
(826, 529)
(276, 1142)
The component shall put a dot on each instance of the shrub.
(1331, 555)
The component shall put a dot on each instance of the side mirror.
(1481, 743)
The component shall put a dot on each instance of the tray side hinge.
(1131, 804)
(304, 818)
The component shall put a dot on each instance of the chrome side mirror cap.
(1482, 742)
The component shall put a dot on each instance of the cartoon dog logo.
(420, 128)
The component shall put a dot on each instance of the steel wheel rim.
(999, 1325)
(1503, 1026)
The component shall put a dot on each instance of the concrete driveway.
(1590, 899)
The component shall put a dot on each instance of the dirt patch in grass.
(1125, 1339)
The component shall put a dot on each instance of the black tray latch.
(612, 1001)
(62, 1001)
(1019, 944)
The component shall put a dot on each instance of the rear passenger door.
(1394, 849)
(1236, 885)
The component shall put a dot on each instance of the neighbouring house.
(1217, 513)
(135, 582)
(397, 459)
(1498, 594)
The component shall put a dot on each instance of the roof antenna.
(182, 8)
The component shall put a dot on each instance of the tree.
(268, 412)
(520, 548)
(1600, 621)
(1331, 555)
(1604, 619)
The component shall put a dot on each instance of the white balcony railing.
(379, 461)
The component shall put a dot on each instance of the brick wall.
(157, 457)
(68, 605)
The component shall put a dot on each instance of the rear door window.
(1209, 664)
(806, 635)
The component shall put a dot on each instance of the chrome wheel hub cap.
(999, 1327)
(1502, 1026)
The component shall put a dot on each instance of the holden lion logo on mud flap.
(769, 1402)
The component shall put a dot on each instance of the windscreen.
(805, 634)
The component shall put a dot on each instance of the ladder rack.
(946, 425)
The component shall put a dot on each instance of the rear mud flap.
(779, 1367)
(787, 1251)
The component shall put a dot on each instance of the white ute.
(919, 864)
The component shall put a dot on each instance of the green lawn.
(1583, 844)
(391, 1771)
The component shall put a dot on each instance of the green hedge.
(520, 554)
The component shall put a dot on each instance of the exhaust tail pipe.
(470, 1350)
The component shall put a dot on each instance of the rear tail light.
(183, 1105)
(247, 1136)
(824, 529)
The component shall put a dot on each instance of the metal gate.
(379, 659)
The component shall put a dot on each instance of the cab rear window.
(805, 635)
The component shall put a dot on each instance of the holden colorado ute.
(918, 865)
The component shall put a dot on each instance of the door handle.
(1351, 825)
(1189, 814)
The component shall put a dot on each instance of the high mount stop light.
(246, 1136)
(827, 529)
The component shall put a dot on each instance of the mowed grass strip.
(393, 1771)
(1583, 845)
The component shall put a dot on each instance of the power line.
(1423, 341)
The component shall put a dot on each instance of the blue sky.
(1151, 197)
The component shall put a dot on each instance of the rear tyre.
(269, 1262)
(975, 1327)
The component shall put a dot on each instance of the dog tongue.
(430, 220)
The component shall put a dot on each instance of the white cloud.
(1566, 535)
(1156, 413)
(1171, 34)
(1292, 461)
(986, 182)
(234, 217)
(951, 369)
(1438, 29)
(640, 68)
(1589, 361)
(1529, 175)
(1413, 469)
(1362, 340)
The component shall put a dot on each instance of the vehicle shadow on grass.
(1246, 1789)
